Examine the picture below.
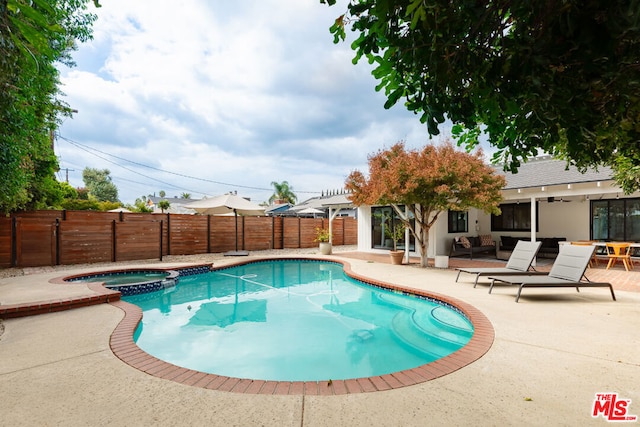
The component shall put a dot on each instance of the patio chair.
(519, 263)
(619, 251)
(567, 272)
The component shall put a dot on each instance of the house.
(176, 204)
(278, 209)
(560, 202)
(329, 204)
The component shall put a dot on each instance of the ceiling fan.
(553, 199)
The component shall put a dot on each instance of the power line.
(90, 149)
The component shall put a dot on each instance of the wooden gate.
(35, 242)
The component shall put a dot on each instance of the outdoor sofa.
(465, 245)
(549, 248)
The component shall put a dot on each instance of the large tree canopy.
(561, 76)
(34, 36)
(428, 182)
(100, 185)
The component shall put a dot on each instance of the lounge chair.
(567, 272)
(519, 263)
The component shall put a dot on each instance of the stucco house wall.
(568, 215)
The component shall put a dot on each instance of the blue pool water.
(294, 320)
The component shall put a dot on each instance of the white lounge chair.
(567, 272)
(519, 263)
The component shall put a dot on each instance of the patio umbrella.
(310, 211)
(226, 204)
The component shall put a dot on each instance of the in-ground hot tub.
(131, 282)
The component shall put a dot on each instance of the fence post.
(168, 234)
(113, 241)
(208, 234)
(161, 227)
(57, 234)
(243, 230)
(14, 243)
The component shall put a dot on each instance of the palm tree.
(283, 193)
(164, 205)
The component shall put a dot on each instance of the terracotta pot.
(396, 257)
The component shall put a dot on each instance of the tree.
(140, 205)
(34, 36)
(283, 193)
(186, 195)
(164, 205)
(428, 182)
(99, 184)
(162, 193)
(558, 76)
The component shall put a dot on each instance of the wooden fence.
(42, 238)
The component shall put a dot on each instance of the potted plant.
(324, 238)
(395, 232)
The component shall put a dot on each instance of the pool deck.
(552, 352)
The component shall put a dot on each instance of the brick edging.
(102, 295)
(125, 349)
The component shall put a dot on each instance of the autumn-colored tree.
(428, 182)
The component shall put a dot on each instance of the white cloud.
(243, 93)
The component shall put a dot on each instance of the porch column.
(534, 221)
(407, 234)
(332, 216)
(330, 226)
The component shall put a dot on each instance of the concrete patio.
(552, 353)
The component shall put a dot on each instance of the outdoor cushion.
(508, 241)
(486, 240)
(464, 242)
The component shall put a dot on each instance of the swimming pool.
(295, 320)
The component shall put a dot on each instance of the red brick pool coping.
(125, 349)
(123, 346)
(103, 295)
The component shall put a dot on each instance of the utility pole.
(67, 171)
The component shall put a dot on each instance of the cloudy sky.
(210, 97)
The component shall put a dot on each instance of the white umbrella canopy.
(310, 211)
(225, 204)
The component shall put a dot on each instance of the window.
(515, 217)
(458, 222)
(382, 218)
(617, 220)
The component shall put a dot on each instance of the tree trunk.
(424, 218)
(424, 259)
